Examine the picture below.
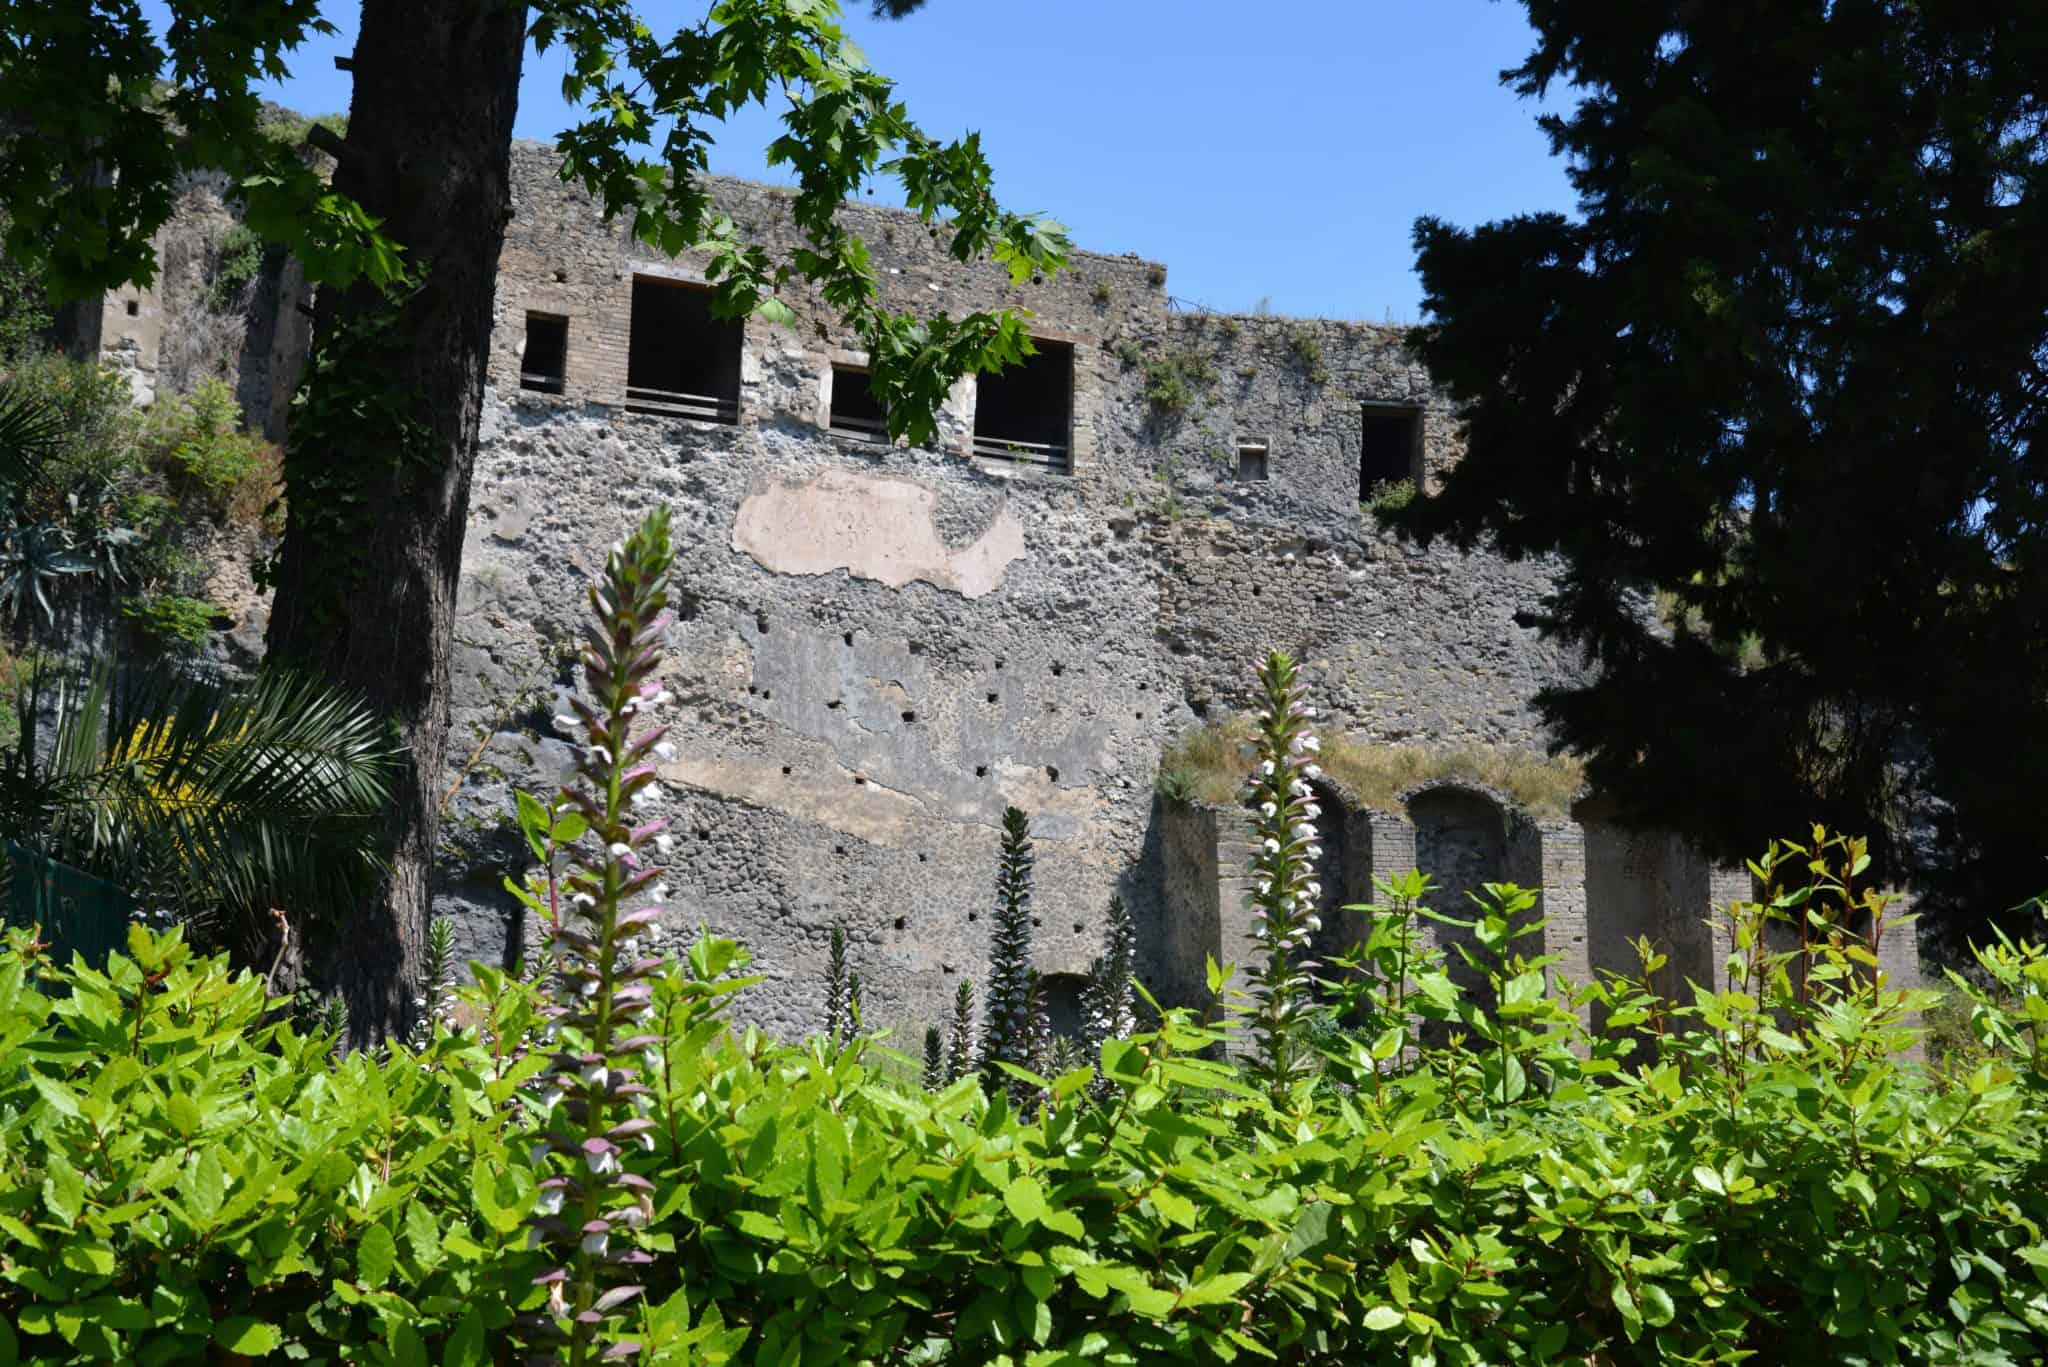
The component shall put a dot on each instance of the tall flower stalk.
(960, 1038)
(1006, 1014)
(1109, 1005)
(590, 1105)
(1284, 891)
(837, 988)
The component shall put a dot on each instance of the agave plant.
(222, 803)
(33, 552)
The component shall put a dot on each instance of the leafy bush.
(1389, 496)
(1305, 349)
(229, 470)
(171, 619)
(180, 1168)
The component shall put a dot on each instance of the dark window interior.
(1251, 462)
(680, 360)
(546, 358)
(1387, 451)
(854, 410)
(1026, 412)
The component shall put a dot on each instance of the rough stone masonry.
(880, 647)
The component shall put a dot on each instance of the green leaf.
(63, 1187)
(465, 1347)
(1026, 1199)
(375, 1256)
(249, 1337)
(1381, 1318)
(423, 1233)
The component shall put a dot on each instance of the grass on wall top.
(1209, 764)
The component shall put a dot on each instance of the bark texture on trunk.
(379, 467)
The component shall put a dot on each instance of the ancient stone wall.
(884, 646)
(880, 647)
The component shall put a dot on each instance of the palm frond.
(31, 435)
(235, 800)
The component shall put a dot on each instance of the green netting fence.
(78, 913)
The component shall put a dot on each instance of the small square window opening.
(1251, 462)
(854, 412)
(543, 364)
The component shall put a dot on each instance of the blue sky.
(1264, 154)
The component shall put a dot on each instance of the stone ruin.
(880, 647)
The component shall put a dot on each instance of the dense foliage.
(180, 1167)
(1797, 334)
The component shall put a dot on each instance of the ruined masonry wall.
(880, 648)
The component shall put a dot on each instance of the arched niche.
(1464, 839)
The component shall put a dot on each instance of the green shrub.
(185, 1176)
(171, 619)
(229, 472)
(1389, 496)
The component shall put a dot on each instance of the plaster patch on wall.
(874, 528)
(879, 815)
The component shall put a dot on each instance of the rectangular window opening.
(680, 361)
(1390, 449)
(1251, 462)
(544, 361)
(1025, 414)
(854, 412)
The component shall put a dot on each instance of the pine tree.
(837, 988)
(960, 1042)
(1787, 376)
(1006, 1017)
(934, 1059)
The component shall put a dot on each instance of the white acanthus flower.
(583, 899)
(1311, 744)
(658, 893)
(665, 750)
(1272, 845)
(643, 797)
(1314, 853)
(1267, 810)
(549, 1202)
(665, 843)
(595, 1244)
(618, 849)
(1312, 770)
(600, 753)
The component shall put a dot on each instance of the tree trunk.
(378, 471)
